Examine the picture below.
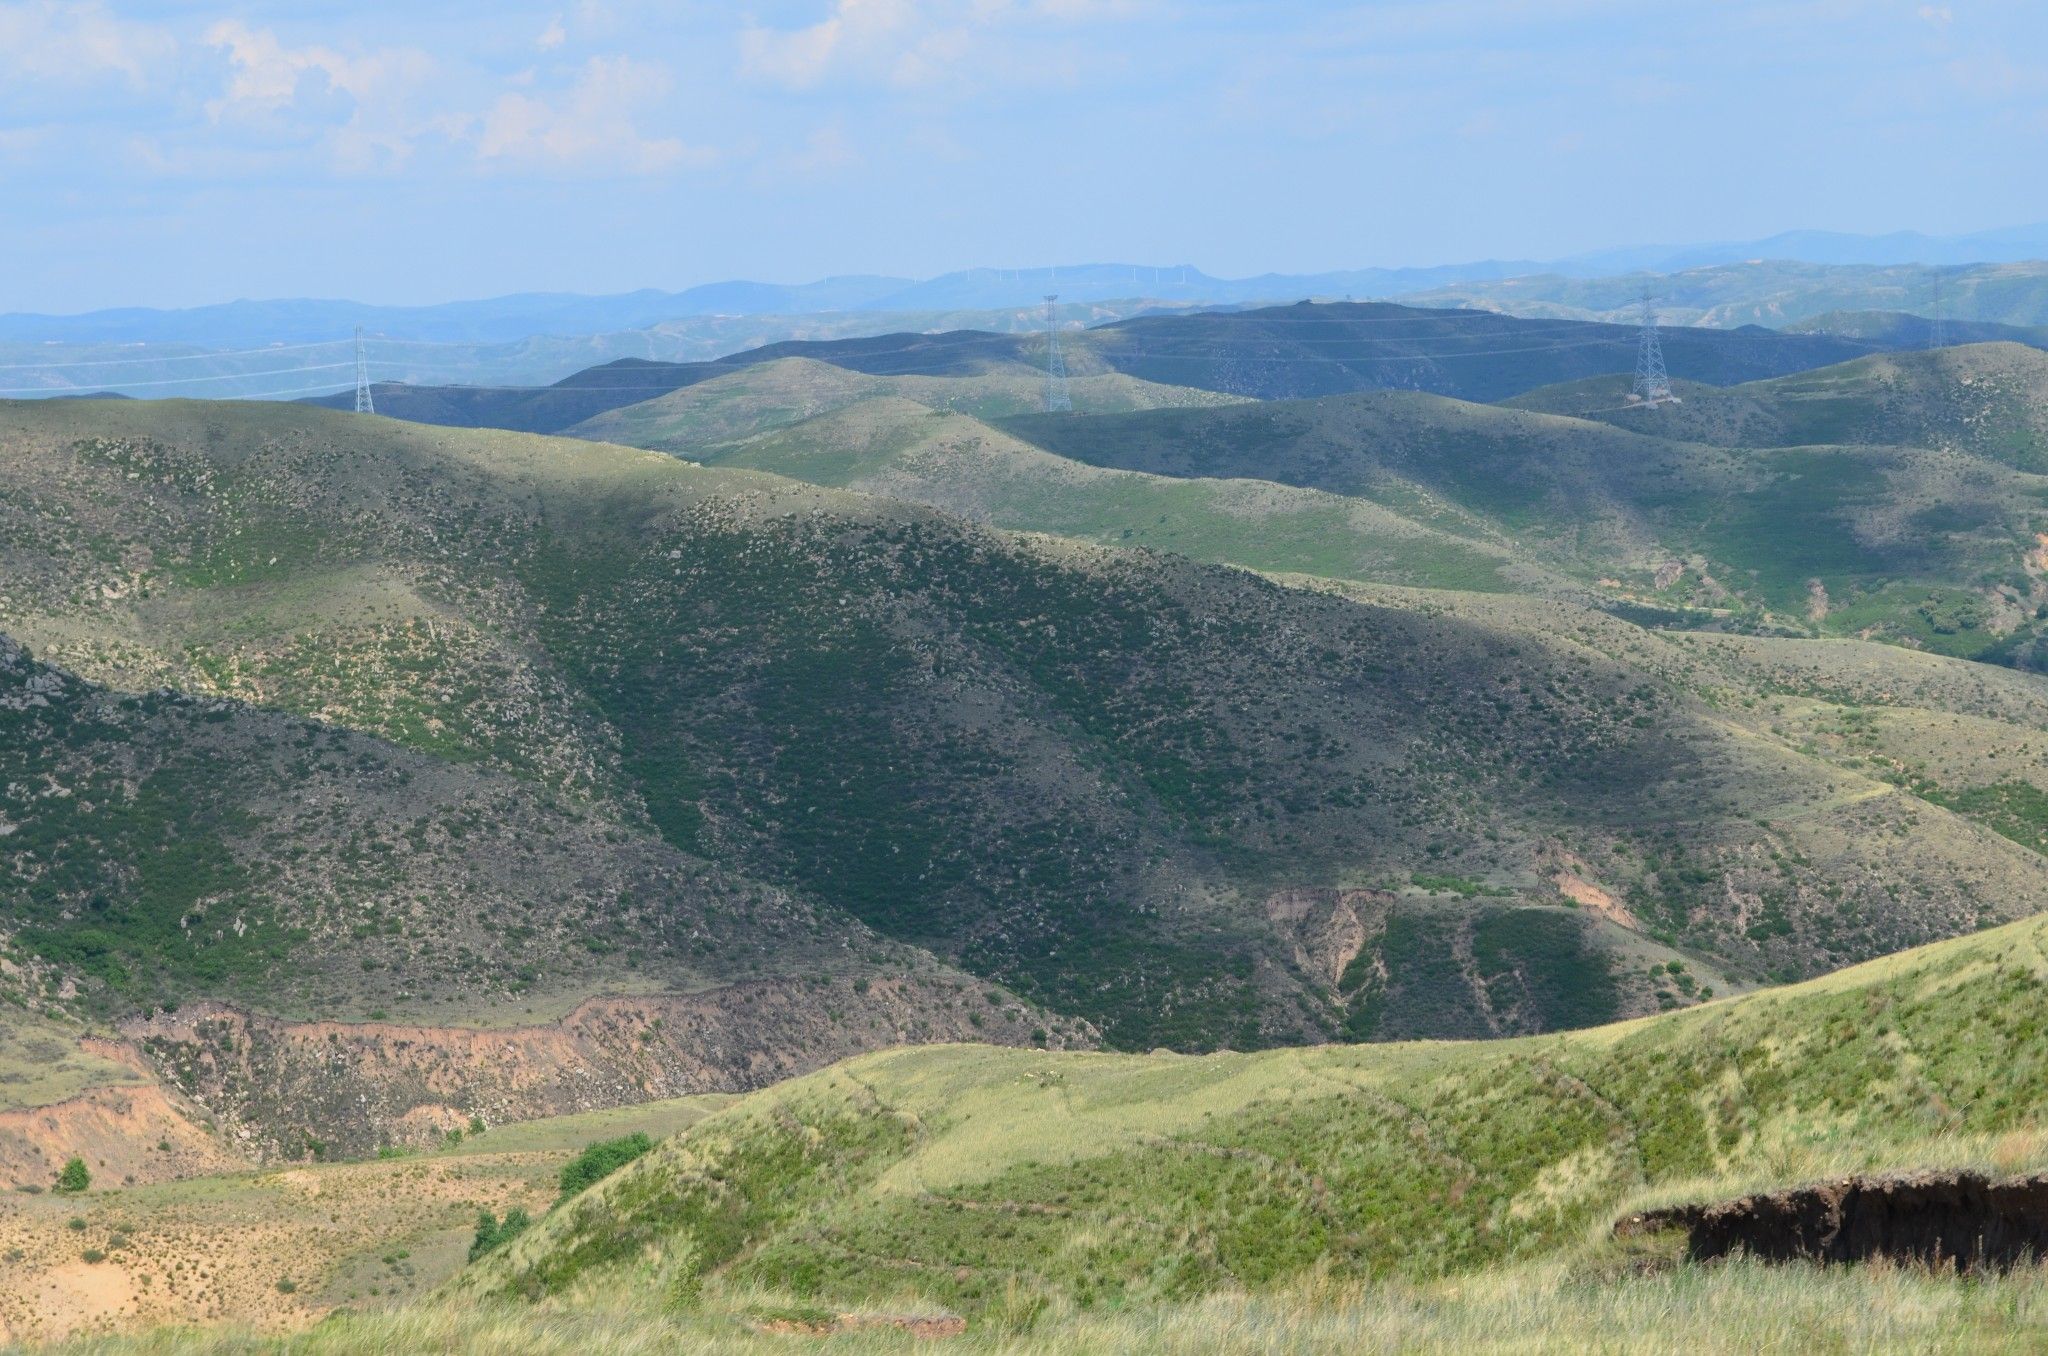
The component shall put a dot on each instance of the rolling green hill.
(873, 437)
(1292, 352)
(771, 395)
(999, 1184)
(1984, 399)
(1929, 546)
(1176, 801)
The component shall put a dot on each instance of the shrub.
(601, 1160)
(492, 1233)
(75, 1177)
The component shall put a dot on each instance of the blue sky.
(182, 152)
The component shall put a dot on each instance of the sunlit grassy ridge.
(910, 450)
(967, 1177)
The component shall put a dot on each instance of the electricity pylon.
(1653, 385)
(364, 405)
(1056, 398)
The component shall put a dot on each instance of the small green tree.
(75, 1178)
(492, 1233)
(601, 1160)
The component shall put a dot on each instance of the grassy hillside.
(1432, 1197)
(1179, 802)
(922, 451)
(163, 847)
(1984, 399)
(1290, 352)
(992, 1184)
(1176, 801)
(773, 395)
(1927, 546)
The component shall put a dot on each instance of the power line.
(180, 381)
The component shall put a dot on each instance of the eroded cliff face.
(219, 1088)
(127, 1135)
(297, 1089)
(1963, 1219)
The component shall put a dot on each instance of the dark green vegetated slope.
(164, 848)
(1176, 800)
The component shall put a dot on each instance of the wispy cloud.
(591, 126)
(363, 105)
(913, 44)
(45, 41)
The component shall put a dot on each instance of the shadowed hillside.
(1303, 350)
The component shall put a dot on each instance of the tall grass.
(1738, 1307)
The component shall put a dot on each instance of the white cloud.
(593, 125)
(1941, 16)
(71, 44)
(362, 105)
(553, 36)
(909, 44)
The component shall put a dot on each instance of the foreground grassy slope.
(988, 1182)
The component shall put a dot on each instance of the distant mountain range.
(524, 315)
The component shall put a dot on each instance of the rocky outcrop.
(285, 1089)
(1326, 928)
(1963, 1218)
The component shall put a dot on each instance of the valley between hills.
(1269, 844)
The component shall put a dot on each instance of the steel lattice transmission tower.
(1937, 335)
(364, 405)
(1056, 397)
(1653, 384)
